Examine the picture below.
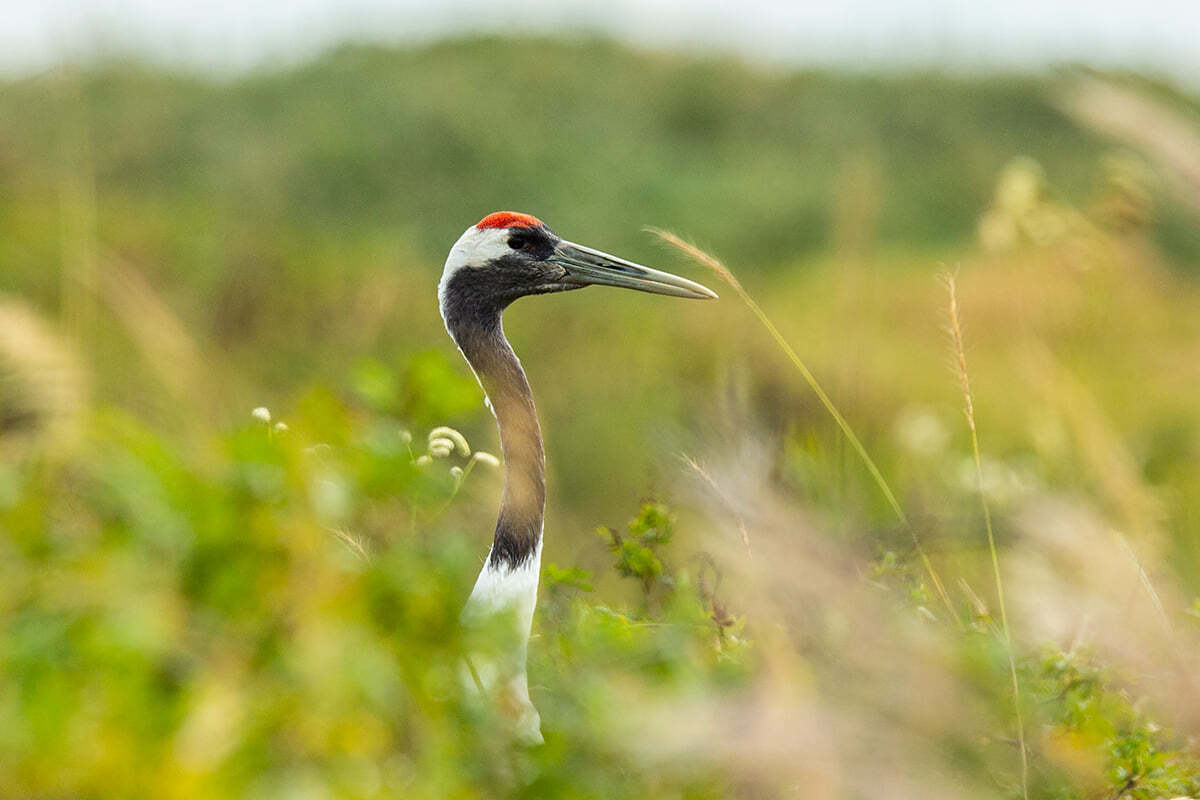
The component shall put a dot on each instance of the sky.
(1161, 36)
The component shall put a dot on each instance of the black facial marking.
(537, 243)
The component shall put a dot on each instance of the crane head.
(507, 255)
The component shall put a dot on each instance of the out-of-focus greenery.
(1090, 717)
(197, 604)
(176, 626)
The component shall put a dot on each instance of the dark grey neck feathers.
(473, 320)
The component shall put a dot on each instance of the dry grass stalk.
(1103, 610)
(960, 361)
(712, 484)
(715, 264)
(855, 689)
(351, 542)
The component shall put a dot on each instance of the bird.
(508, 255)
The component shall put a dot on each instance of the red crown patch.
(509, 219)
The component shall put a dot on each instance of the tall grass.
(964, 379)
(715, 264)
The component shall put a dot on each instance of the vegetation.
(198, 601)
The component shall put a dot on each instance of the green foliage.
(636, 555)
(279, 613)
(663, 139)
(554, 577)
(188, 625)
(1093, 718)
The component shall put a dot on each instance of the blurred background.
(204, 211)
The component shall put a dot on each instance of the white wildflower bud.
(281, 427)
(261, 414)
(441, 448)
(457, 472)
(457, 439)
(484, 457)
(424, 461)
(406, 437)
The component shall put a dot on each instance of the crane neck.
(480, 336)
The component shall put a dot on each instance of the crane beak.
(586, 267)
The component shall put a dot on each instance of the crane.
(506, 256)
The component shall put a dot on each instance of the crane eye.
(520, 242)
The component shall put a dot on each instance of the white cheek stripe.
(475, 248)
